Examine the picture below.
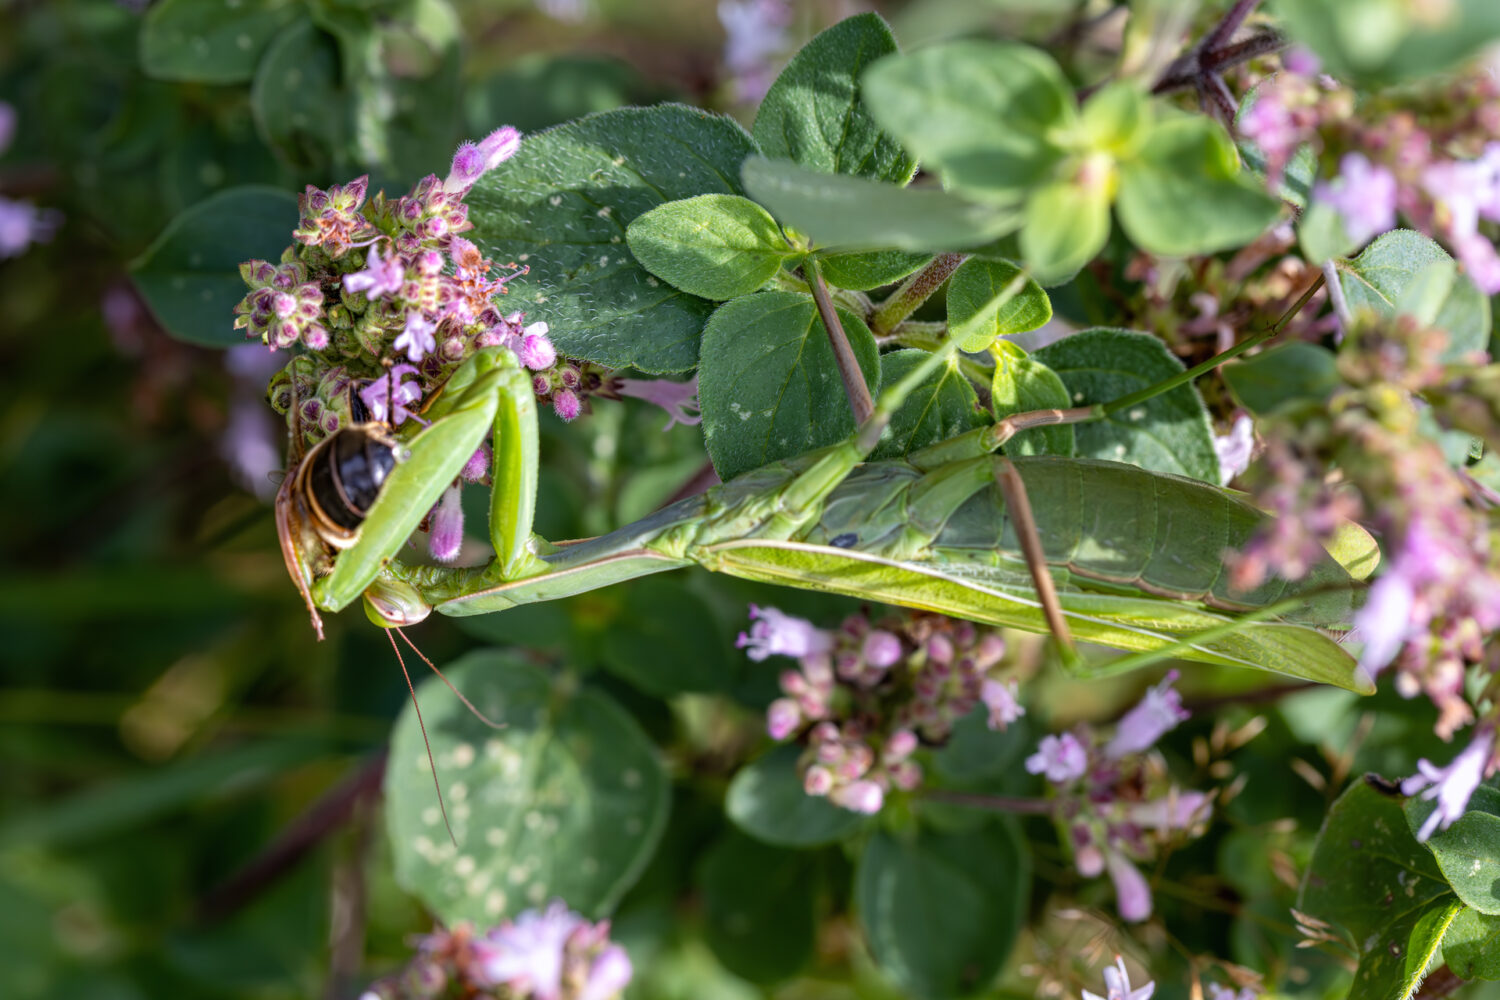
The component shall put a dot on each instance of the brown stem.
(913, 292)
(1441, 983)
(304, 833)
(1262, 44)
(699, 481)
(860, 401)
(1228, 25)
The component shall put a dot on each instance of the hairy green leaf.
(1294, 374)
(718, 246)
(1021, 384)
(988, 299)
(1468, 851)
(1395, 273)
(768, 384)
(942, 406)
(561, 206)
(767, 801)
(855, 213)
(1167, 433)
(814, 113)
(871, 268)
(201, 42)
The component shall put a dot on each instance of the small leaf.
(870, 269)
(758, 907)
(1468, 851)
(1116, 119)
(1384, 41)
(1296, 374)
(984, 113)
(1021, 384)
(1321, 233)
(857, 214)
(199, 42)
(561, 206)
(567, 801)
(768, 384)
(1381, 278)
(987, 301)
(718, 246)
(941, 407)
(191, 275)
(942, 910)
(1066, 225)
(1472, 946)
(814, 114)
(1185, 194)
(301, 106)
(539, 90)
(1167, 433)
(766, 800)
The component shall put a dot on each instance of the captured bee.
(328, 492)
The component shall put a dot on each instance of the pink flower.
(565, 404)
(782, 718)
(478, 465)
(1000, 698)
(377, 395)
(679, 399)
(447, 536)
(1132, 893)
(859, 796)
(608, 976)
(1451, 786)
(417, 338)
(780, 634)
(1363, 194)
(1217, 992)
(1117, 985)
(1061, 758)
(473, 160)
(1235, 448)
(1159, 711)
(22, 224)
(380, 277)
(531, 955)
(1177, 810)
(882, 650)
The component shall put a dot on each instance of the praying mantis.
(1109, 553)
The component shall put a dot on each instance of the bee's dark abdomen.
(347, 474)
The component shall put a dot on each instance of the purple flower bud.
(940, 650)
(1132, 893)
(22, 224)
(1178, 810)
(468, 166)
(536, 351)
(1301, 61)
(541, 385)
(447, 535)
(1235, 448)
(817, 781)
(608, 976)
(284, 304)
(499, 146)
(1089, 861)
(777, 633)
(1159, 711)
(990, 651)
(1000, 698)
(478, 465)
(1061, 758)
(1117, 985)
(1451, 786)
(824, 732)
(862, 797)
(882, 649)
(899, 745)
(566, 405)
(568, 376)
(905, 775)
(315, 337)
(782, 718)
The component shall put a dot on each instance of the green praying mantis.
(1109, 553)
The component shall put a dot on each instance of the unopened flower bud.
(882, 649)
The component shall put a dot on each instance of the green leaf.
(718, 246)
(942, 910)
(942, 406)
(768, 385)
(1065, 227)
(984, 113)
(976, 753)
(567, 801)
(1382, 279)
(1117, 119)
(1185, 194)
(1468, 851)
(1370, 877)
(1296, 374)
(561, 206)
(1167, 433)
(665, 639)
(985, 302)
(199, 42)
(540, 90)
(758, 907)
(191, 275)
(1384, 41)
(766, 800)
(299, 101)
(1472, 946)
(854, 213)
(1021, 384)
(870, 269)
(813, 113)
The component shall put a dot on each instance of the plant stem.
(1228, 25)
(1336, 295)
(913, 292)
(995, 803)
(860, 400)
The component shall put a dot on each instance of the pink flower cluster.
(866, 696)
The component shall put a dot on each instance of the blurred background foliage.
(189, 801)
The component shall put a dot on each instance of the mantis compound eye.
(391, 603)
